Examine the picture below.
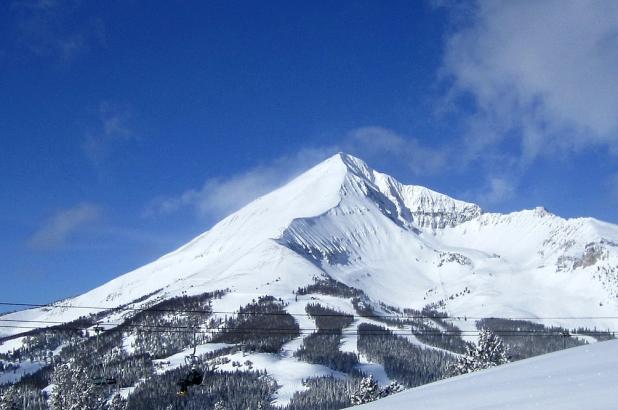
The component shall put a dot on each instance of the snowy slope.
(403, 245)
(578, 378)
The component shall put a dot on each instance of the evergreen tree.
(489, 351)
(492, 350)
(11, 399)
(368, 391)
(392, 388)
(117, 403)
(73, 389)
(220, 405)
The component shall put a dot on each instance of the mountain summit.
(402, 245)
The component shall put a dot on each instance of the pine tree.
(492, 351)
(117, 403)
(11, 399)
(392, 388)
(488, 352)
(73, 389)
(220, 405)
(368, 391)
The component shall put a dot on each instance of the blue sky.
(128, 127)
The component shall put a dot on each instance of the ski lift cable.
(252, 313)
(289, 332)
(196, 329)
(335, 330)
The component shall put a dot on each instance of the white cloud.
(544, 72)
(220, 196)
(497, 190)
(57, 230)
(51, 28)
(379, 142)
(112, 128)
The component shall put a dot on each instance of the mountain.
(404, 245)
(583, 377)
(347, 239)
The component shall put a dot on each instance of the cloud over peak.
(543, 72)
(64, 223)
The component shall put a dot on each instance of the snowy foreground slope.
(584, 377)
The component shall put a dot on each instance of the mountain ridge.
(402, 244)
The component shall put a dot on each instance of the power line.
(191, 328)
(254, 313)
(303, 331)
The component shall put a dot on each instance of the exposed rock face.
(436, 211)
(594, 252)
(451, 257)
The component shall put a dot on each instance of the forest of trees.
(74, 358)
(322, 347)
(263, 326)
(526, 339)
(403, 361)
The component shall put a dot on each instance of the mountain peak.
(353, 164)
(413, 203)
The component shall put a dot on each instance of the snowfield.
(584, 377)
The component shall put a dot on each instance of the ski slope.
(584, 377)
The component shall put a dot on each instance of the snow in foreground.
(578, 378)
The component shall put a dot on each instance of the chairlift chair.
(99, 375)
(195, 377)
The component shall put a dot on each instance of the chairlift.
(195, 377)
(99, 375)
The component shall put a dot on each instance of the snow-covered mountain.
(341, 238)
(404, 245)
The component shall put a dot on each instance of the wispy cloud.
(612, 185)
(113, 127)
(497, 190)
(58, 229)
(219, 196)
(542, 73)
(52, 28)
(379, 142)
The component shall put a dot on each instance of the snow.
(25, 367)
(288, 373)
(364, 228)
(404, 245)
(128, 343)
(125, 392)
(581, 377)
(11, 345)
(176, 360)
(374, 369)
